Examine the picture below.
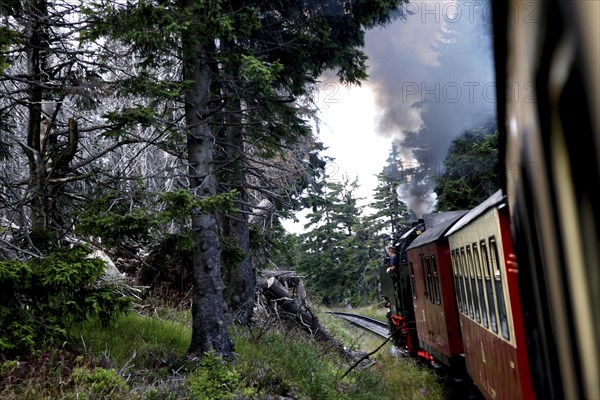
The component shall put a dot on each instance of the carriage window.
(424, 273)
(456, 280)
(479, 274)
(430, 289)
(461, 283)
(488, 286)
(495, 259)
(465, 269)
(473, 283)
(412, 279)
(436, 280)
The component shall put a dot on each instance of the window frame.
(465, 269)
(455, 270)
(413, 285)
(493, 313)
(473, 283)
(480, 284)
(499, 288)
(436, 280)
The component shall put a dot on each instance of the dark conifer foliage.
(334, 253)
(121, 100)
(470, 171)
(391, 214)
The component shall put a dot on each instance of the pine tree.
(235, 90)
(391, 215)
(215, 83)
(334, 253)
(471, 170)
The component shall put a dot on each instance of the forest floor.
(142, 356)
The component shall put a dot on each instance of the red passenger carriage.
(488, 299)
(433, 294)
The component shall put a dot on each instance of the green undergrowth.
(376, 311)
(143, 357)
(134, 342)
(294, 367)
(402, 378)
(354, 339)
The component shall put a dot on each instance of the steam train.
(456, 301)
(508, 293)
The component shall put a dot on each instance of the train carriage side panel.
(433, 295)
(435, 309)
(550, 147)
(512, 278)
(493, 352)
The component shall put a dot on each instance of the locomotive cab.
(396, 290)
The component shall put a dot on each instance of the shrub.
(40, 298)
(98, 383)
(216, 379)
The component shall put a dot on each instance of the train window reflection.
(477, 261)
(424, 273)
(461, 274)
(456, 280)
(473, 283)
(436, 280)
(465, 270)
(429, 280)
(488, 285)
(498, 286)
(412, 280)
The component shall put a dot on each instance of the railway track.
(373, 325)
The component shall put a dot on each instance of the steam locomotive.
(508, 293)
(464, 315)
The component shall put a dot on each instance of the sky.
(348, 130)
(348, 120)
(430, 78)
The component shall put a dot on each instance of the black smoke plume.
(432, 72)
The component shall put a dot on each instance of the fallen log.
(276, 290)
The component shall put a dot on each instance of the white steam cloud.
(432, 74)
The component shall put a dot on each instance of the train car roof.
(434, 219)
(443, 221)
(408, 232)
(491, 201)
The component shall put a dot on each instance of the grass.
(142, 357)
(376, 311)
(135, 342)
(353, 338)
(402, 378)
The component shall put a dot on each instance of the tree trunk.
(238, 273)
(48, 161)
(208, 310)
(37, 43)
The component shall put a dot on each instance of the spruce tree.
(390, 215)
(470, 170)
(334, 252)
(222, 75)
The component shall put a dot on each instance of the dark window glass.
(412, 279)
(424, 272)
(436, 280)
(495, 258)
(477, 260)
(430, 289)
(465, 270)
(488, 286)
(473, 284)
(456, 280)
